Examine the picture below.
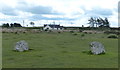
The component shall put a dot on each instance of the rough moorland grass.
(0, 50)
(58, 50)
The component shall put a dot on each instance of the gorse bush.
(112, 36)
(82, 35)
(71, 31)
(75, 33)
(112, 32)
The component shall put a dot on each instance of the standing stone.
(96, 48)
(21, 46)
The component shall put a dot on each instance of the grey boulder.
(21, 46)
(96, 48)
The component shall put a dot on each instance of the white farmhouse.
(52, 27)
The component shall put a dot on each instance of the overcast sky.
(63, 12)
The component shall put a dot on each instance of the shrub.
(90, 32)
(85, 32)
(112, 36)
(75, 34)
(16, 32)
(82, 35)
(112, 32)
(59, 32)
(80, 31)
(3, 32)
(24, 32)
(71, 31)
(46, 30)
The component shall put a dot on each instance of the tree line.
(98, 22)
(15, 24)
(93, 22)
(11, 25)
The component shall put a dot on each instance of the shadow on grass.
(23, 51)
(90, 53)
(64, 51)
(39, 56)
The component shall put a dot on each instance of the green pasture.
(58, 50)
(0, 50)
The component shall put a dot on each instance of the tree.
(17, 25)
(5, 25)
(32, 23)
(11, 25)
(91, 22)
(106, 24)
(99, 22)
(95, 22)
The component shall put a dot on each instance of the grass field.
(0, 50)
(58, 50)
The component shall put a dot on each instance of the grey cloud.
(23, 6)
(6, 10)
(37, 9)
(97, 11)
(42, 10)
(40, 17)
